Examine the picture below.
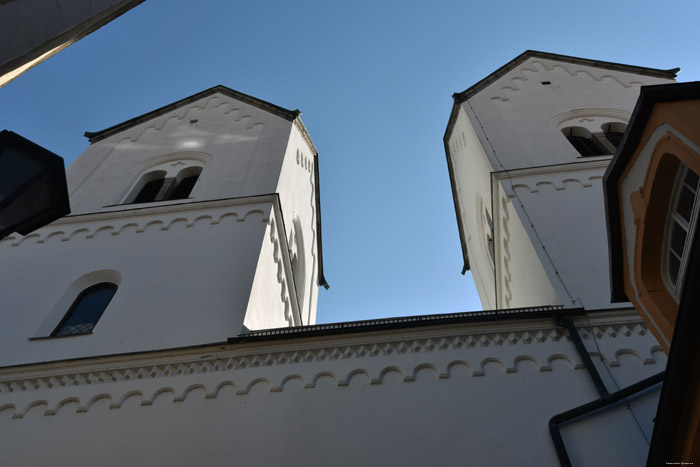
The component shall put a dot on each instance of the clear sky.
(374, 81)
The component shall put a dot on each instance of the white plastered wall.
(472, 173)
(190, 271)
(441, 395)
(522, 281)
(556, 194)
(297, 191)
(240, 147)
(186, 275)
(272, 302)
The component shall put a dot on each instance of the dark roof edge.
(649, 96)
(460, 228)
(655, 72)
(319, 238)
(290, 115)
(350, 327)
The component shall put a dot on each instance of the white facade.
(476, 393)
(519, 182)
(240, 253)
(163, 379)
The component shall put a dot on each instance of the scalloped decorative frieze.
(134, 225)
(555, 185)
(572, 70)
(224, 106)
(281, 276)
(426, 345)
(505, 254)
(362, 377)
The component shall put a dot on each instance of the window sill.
(43, 338)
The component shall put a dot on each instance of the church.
(170, 318)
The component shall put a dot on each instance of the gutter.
(606, 400)
(585, 410)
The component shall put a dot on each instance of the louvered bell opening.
(149, 191)
(615, 137)
(184, 188)
(586, 147)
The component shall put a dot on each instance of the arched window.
(155, 186)
(149, 187)
(184, 182)
(150, 191)
(584, 141)
(614, 132)
(86, 310)
(680, 223)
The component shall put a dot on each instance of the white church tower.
(201, 216)
(527, 147)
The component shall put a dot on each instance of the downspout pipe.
(566, 321)
(603, 403)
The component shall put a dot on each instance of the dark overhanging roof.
(460, 97)
(407, 322)
(649, 96)
(287, 114)
(639, 70)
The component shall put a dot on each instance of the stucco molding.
(571, 117)
(137, 221)
(284, 271)
(212, 359)
(232, 383)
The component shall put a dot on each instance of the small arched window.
(584, 141)
(86, 310)
(155, 186)
(614, 132)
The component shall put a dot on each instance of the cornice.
(222, 357)
(162, 217)
(374, 358)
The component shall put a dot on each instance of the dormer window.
(154, 186)
(584, 142)
(681, 221)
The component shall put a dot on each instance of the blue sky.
(374, 81)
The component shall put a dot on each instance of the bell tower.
(527, 148)
(190, 224)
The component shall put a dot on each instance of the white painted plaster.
(556, 194)
(436, 395)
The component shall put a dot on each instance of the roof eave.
(655, 72)
(450, 170)
(287, 114)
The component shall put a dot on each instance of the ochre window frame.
(651, 204)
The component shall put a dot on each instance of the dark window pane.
(86, 310)
(149, 191)
(684, 207)
(184, 188)
(586, 147)
(615, 137)
(691, 179)
(674, 266)
(678, 235)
